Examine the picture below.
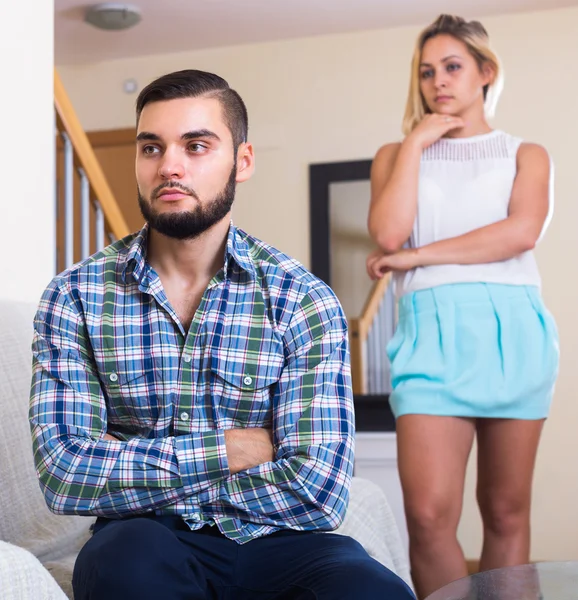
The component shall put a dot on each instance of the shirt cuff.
(202, 459)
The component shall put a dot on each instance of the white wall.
(27, 148)
(340, 97)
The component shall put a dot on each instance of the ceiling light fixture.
(112, 16)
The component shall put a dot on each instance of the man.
(191, 387)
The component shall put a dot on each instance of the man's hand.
(107, 436)
(248, 448)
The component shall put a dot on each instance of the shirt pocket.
(134, 396)
(242, 392)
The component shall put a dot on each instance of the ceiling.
(184, 25)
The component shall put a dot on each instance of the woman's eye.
(453, 67)
(426, 74)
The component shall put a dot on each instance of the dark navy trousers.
(160, 558)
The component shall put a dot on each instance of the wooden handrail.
(87, 160)
(359, 331)
(356, 355)
(372, 306)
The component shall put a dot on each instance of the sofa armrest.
(370, 521)
(22, 576)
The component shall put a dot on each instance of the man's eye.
(196, 147)
(149, 150)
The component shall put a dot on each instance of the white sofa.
(31, 536)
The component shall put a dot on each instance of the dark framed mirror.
(339, 195)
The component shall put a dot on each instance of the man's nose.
(171, 166)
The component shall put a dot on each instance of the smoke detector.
(113, 16)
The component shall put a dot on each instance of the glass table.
(539, 581)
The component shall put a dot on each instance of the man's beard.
(189, 224)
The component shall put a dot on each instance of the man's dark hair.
(191, 83)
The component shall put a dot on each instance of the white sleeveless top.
(465, 184)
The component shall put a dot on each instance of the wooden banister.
(87, 160)
(358, 382)
(372, 305)
(359, 330)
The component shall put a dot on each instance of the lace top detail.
(493, 145)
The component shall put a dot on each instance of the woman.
(475, 352)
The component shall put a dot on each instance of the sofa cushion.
(22, 577)
(26, 521)
(369, 520)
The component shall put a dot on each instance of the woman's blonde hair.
(475, 37)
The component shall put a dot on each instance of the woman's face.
(451, 81)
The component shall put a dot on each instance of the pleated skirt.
(474, 350)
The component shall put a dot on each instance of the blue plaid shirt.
(267, 348)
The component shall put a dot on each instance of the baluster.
(68, 201)
(84, 214)
(99, 228)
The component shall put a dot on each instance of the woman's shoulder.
(529, 156)
(532, 155)
(525, 147)
(532, 148)
(387, 153)
(388, 149)
(383, 162)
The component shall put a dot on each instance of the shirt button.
(184, 416)
(113, 377)
(187, 358)
(248, 380)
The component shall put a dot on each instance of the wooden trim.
(69, 121)
(356, 357)
(372, 306)
(473, 566)
(112, 137)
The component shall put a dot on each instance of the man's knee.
(367, 578)
(352, 574)
(128, 557)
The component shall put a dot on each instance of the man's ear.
(245, 162)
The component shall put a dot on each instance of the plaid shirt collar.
(136, 263)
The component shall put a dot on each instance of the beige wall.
(27, 149)
(340, 97)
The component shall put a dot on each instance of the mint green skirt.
(474, 350)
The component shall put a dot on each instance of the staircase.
(368, 337)
(88, 217)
